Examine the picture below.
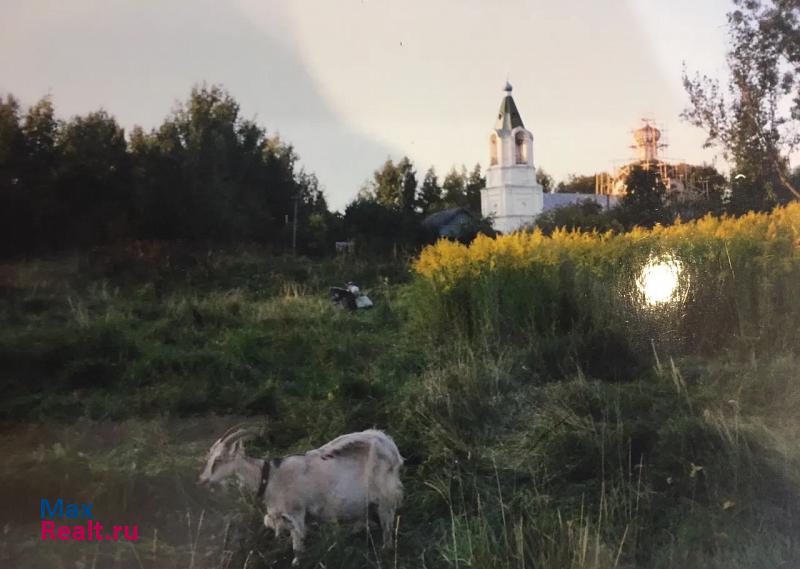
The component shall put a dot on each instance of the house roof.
(441, 218)
(555, 200)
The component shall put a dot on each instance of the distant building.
(679, 178)
(512, 196)
(453, 223)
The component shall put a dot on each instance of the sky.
(351, 83)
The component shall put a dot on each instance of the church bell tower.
(512, 196)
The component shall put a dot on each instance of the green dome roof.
(508, 117)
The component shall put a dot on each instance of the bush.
(586, 215)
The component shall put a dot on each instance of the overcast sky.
(352, 82)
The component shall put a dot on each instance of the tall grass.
(578, 296)
(549, 417)
(660, 468)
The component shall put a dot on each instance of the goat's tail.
(394, 486)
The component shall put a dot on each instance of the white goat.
(337, 482)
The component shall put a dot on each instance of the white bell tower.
(512, 196)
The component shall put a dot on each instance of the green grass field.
(118, 375)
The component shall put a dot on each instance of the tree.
(42, 133)
(316, 223)
(545, 180)
(704, 193)
(92, 182)
(387, 184)
(643, 203)
(475, 183)
(41, 130)
(430, 194)
(576, 184)
(207, 127)
(11, 138)
(394, 185)
(779, 31)
(14, 201)
(454, 187)
(205, 174)
(749, 123)
(158, 164)
(408, 185)
(379, 228)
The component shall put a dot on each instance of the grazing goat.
(337, 482)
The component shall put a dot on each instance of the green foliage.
(577, 295)
(707, 190)
(648, 202)
(380, 229)
(387, 215)
(408, 188)
(387, 185)
(460, 189)
(577, 185)
(515, 455)
(395, 186)
(454, 187)
(472, 190)
(545, 180)
(430, 193)
(204, 174)
(587, 215)
(749, 122)
(92, 181)
(643, 203)
(212, 175)
(233, 333)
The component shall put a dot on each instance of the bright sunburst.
(658, 281)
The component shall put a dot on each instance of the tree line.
(389, 209)
(205, 175)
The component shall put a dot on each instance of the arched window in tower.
(493, 150)
(521, 146)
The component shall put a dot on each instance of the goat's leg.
(386, 515)
(274, 525)
(297, 527)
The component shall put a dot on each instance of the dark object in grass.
(343, 298)
(349, 297)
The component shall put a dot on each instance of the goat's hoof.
(295, 562)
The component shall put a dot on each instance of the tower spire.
(508, 116)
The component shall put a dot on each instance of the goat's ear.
(237, 447)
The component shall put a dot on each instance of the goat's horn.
(238, 435)
(228, 433)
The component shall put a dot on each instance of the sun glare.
(658, 281)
